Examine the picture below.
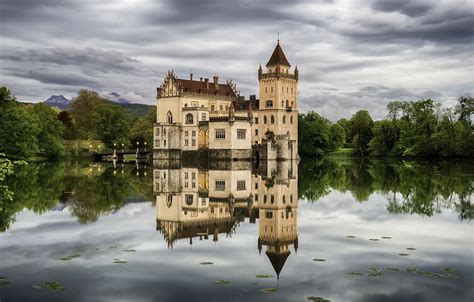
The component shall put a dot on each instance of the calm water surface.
(343, 230)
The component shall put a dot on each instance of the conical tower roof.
(278, 260)
(278, 57)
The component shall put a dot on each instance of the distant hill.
(57, 101)
(133, 110)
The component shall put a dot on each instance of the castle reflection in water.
(204, 202)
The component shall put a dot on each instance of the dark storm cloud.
(58, 78)
(364, 49)
(91, 58)
(406, 7)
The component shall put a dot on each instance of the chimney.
(200, 79)
(207, 82)
(191, 76)
(216, 82)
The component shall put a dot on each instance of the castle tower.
(278, 106)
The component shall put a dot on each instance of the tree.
(361, 131)
(18, 127)
(465, 107)
(50, 130)
(84, 111)
(346, 125)
(313, 132)
(337, 137)
(385, 136)
(113, 125)
(68, 122)
(142, 128)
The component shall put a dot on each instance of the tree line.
(411, 129)
(28, 130)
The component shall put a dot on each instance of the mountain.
(57, 101)
(117, 98)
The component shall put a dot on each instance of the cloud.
(350, 53)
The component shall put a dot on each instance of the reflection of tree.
(88, 191)
(411, 187)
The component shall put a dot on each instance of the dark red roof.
(200, 87)
(278, 57)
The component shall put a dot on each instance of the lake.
(317, 230)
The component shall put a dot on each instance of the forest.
(418, 129)
(92, 123)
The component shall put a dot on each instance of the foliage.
(142, 128)
(361, 131)
(50, 130)
(84, 110)
(112, 125)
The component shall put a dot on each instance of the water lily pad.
(319, 259)
(221, 282)
(402, 254)
(411, 270)
(386, 237)
(373, 239)
(54, 286)
(354, 273)
(451, 276)
(428, 274)
(120, 261)
(36, 286)
(264, 276)
(393, 269)
(351, 236)
(411, 248)
(4, 281)
(206, 263)
(68, 258)
(375, 269)
(269, 290)
(447, 269)
(375, 274)
(129, 250)
(318, 299)
(94, 249)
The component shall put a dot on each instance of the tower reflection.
(202, 202)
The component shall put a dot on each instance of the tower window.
(269, 103)
(220, 185)
(291, 119)
(241, 133)
(203, 116)
(271, 89)
(264, 119)
(220, 133)
(266, 90)
(272, 119)
(189, 199)
(169, 117)
(256, 120)
(282, 103)
(189, 118)
(212, 107)
(268, 214)
(241, 185)
(284, 119)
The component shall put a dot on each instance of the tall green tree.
(50, 130)
(142, 128)
(362, 124)
(113, 125)
(84, 111)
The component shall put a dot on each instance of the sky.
(351, 55)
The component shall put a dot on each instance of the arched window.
(287, 103)
(169, 202)
(284, 119)
(169, 117)
(291, 119)
(264, 198)
(282, 103)
(189, 118)
(284, 199)
(264, 119)
(272, 119)
(269, 103)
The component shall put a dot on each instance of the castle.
(213, 120)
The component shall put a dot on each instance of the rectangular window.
(212, 107)
(269, 214)
(185, 175)
(220, 133)
(256, 131)
(189, 199)
(194, 142)
(241, 133)
(256, 120)
(186, 133)
(203, 202)
(256, 197)
(240, 185)
(203, 116)
(194, 133)
(256, 185)
(193, 175)
(164, 143)
(186, 142)
(220, 185)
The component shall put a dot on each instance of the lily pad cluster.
(318, 299)
(68, 258)
(221, 282)
(4, 281)
(54, 286)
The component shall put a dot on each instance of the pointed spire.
(278, 57)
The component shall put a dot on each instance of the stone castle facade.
(211, 119)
